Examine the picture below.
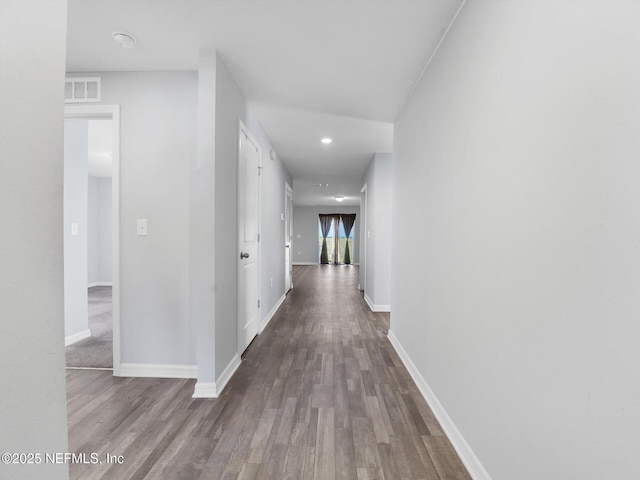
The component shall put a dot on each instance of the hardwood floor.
(320, 394)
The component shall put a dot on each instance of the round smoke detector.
(124, 39)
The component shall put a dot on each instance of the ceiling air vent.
(82, 90)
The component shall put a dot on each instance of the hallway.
(320, 394)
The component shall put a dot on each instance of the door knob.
(244, 255)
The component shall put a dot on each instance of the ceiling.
(308, 68)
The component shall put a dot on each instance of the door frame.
(364, 234)
(109, 112)
(243, 130)
(288, 236)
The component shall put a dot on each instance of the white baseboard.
(158, 371)
(213, 389)
(469, 459)
(100, 284)
(228, 372)
(272, 313)
(205, 390)
(368, 300)
(376, 308)
(76, 337)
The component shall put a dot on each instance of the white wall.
(376, 232)
(516, 175)
(33, 414)
(76, 314)
(99, 234)
(202, 200)
(167, 312)
(272, 251)
(158, 140)
(231, 106)
(92, 230)
(306, 234)
(105, 222)
(213, 214)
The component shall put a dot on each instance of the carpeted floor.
(97, 350)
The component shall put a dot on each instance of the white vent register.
(82, 90)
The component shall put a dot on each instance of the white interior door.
(288, 238)
(248, 237)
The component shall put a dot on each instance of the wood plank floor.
(320, 395)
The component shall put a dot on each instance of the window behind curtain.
(336, 225)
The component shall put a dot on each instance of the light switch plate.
(142, 227)
(74, 229)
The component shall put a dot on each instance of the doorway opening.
(288, 237)
(91, 237)
(364, 233)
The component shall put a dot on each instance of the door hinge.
(258, 303)
(258, 237)
(259, 171)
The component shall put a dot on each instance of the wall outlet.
(74, 229)
(142, 227)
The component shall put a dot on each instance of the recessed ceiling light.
(125, 40)
(339, 198)
(326, 140)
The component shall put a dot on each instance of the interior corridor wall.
(75, 205)
(375, 278)
(231, 106)
(92, 230)
(516, 176)
(99, 231)
(158, 139)
(105, 230)
(33, 409)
